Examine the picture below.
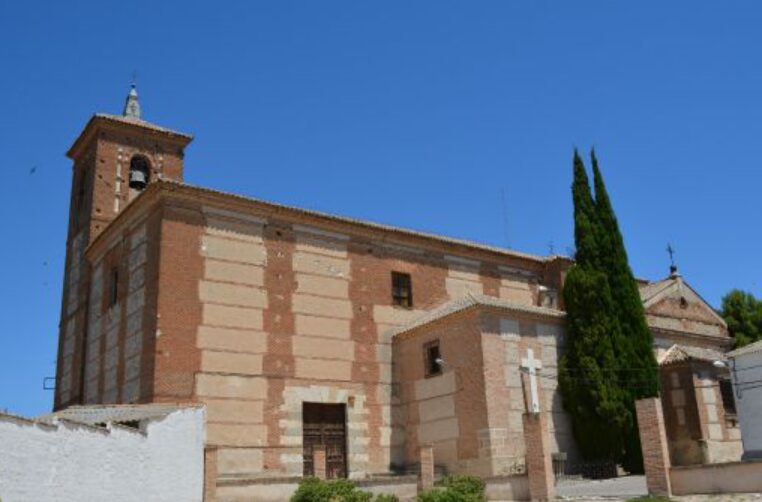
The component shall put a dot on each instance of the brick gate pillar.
(210, 474)
(319, 461)
(539, 461)
(426, 476)
(653, 441)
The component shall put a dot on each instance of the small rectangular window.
(114, 287)
(728, 400)
(433, 358)
(402, 290)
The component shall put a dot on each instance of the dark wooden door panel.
(325, 424)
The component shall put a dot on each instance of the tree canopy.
(743, 314)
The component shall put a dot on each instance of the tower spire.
(132, 105)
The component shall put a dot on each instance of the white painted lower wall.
(72, 462)
(747, 375)
(731, 477)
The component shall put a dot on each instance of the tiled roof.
(100, 118)
(678, 353)
(171, 184)
(139, 122)
(748, 349)
(101, 414)
(472, 300)
(651, 289)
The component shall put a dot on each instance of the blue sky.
(452, 117)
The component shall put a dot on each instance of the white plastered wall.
(70, 462)
(746, 378)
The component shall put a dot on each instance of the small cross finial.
(672, 266)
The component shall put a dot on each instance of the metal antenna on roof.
(672, 266)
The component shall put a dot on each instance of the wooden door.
(325, 424)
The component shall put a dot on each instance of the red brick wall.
(653, 440)
(154, 223)
(120, 336)
(172, 360)
(210, 474)
(177, 359)
(173, 309)
(539, 464)
(681, 417)
(106, 146)
(460, 347)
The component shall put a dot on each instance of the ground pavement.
(629, 487)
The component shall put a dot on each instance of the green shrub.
(456, 488)
(440, 495)
(383, 497)
(356, 496)
(338, 490)
(649, 498)
(468, 486)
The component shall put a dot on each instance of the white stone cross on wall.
(531, 366)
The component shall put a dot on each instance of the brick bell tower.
(114, 159)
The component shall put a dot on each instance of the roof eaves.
(673, 354)
(368, 224)
(101, 414)
(678, 353)
(142, 123)
(470, 301)
(717, 316)
(116, 119)
(746, 349)
(24, 420)
(652, 290)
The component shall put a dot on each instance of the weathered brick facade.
(472, 412)
(655, 448)
(539, 465)
(184, 294)
(100, 191)
(254, 309)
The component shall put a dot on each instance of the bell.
(137, 179)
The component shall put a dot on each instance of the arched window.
(140, 172)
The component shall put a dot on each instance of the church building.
(299, 329)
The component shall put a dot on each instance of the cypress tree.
(588, 367)
(585, 227)
(624, 288)
(633, 345)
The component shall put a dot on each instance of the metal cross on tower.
(672, 266)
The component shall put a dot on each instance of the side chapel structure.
(298, 328)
